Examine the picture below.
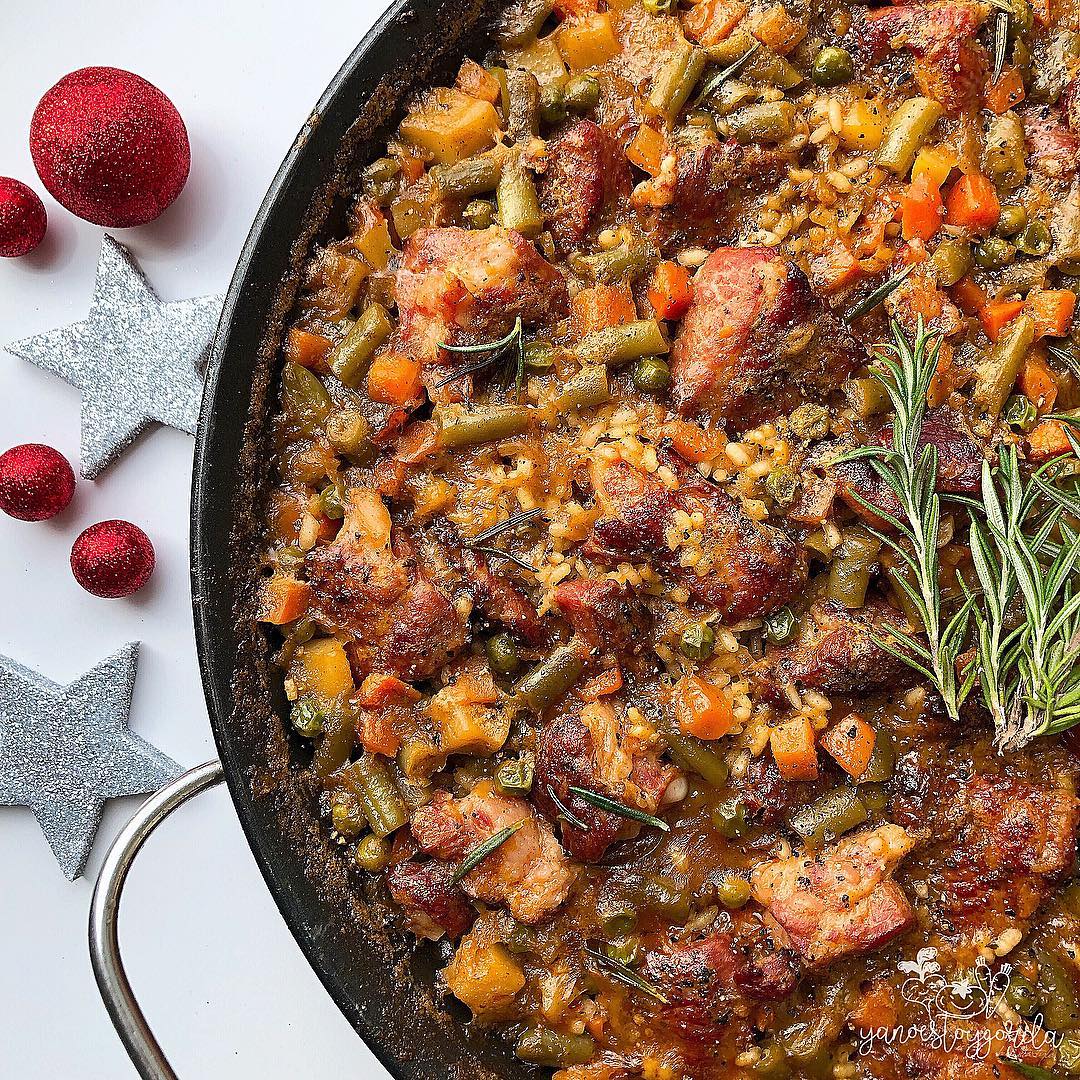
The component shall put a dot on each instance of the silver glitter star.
(64, 750)
(135, 359)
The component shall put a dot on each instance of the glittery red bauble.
(110, 147)
(112, 558)
(22, 218)
(36, 482)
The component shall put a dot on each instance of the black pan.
(386, 989)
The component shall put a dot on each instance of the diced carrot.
(1038, 383)
(1052, 310)
(306, 349)
(1047, 440)
(711, 21)
(706, 711)
(793, 749)
(379, 690)
(601, 306)
(378, 732)
(411, 165)
(876, 1008)
(694, 444)
(670, 290)
(973, 203)
(1006, 93)
(997, 315)
(283, 600)
(607, 682)
(478, 82)
(646, 149)
(574, 9)
(920, 210)
(394, 379)
(835, 268)
(969, 296)
(850, 742)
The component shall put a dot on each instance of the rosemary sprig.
(513, 345)
(878, 295)
(484, 849)
(565, 812)
(1001, 42)
(624, 974)
(907, 369)
(617, 808)
(514, 521)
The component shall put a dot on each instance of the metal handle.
(143, 1049)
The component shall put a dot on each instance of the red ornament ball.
(110, 147)
(112, 558)
(22, 218)
(36, 482)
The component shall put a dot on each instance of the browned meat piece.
(746, 568)
(1070, 104)
(1053, 147)
(766, 796)
(432, 905)
(950, 66)
(400, 622)
(959, 467)
(841, 901)
(743, 353)
(587, 170)
(461, 286)
(528, 874)
(500, 600)
(835, 651)
(596, 752)
(603, 612)
(739, 957)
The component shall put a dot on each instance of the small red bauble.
(36, 482)
(22, 218)
(112, 558)
(110, 147)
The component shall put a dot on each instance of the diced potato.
(342, 278)
(934, 163)
(541, 59)
(588, 42)
(321, 668)
(463, 720)
(374, 244)
(864, 126)
(777, 29)
(484, 976)
(450, 125)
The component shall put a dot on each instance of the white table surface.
(222, 981)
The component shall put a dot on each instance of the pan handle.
(143, 1049)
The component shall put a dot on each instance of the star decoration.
(135, 359)
(64, 750)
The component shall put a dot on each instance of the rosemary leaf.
(513, 344)
(484, 849)
(878, 295)
(1001, 42)
(715, 81)
(613, 807)
(565, 812)
(514, 521)
(624, 974)
(498, 553)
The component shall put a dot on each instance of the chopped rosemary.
(613, 807)
(498, 553)
(496, 350)
(722, 77)
(514, 521)
(484, 849)
(876, 296)
(1001, 42)
(564, 811)
(624, 974)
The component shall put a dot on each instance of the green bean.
(908, 128)
(832, 67)
(758, 64)
(729, 818)
(835, 813)
(523, 93)
(780, 626)
(585, 390)
(349, 433)
(551, 679)
(996, 375)
(874, 796)
(882, 759)
(697, 641)
(655, 893)
(615, 345)
(350, 358)
(484, 424)
(503, 654)
(733, 892)
(519, 208)
(540, 356)
(373, 853)
(618, 922)
(951, 261)
(471, 176)
(622, 263)
(1003, 158)
(552, 104)
(651, 374)
(1060, 1009)
(693, 755)
(381, 179)
(582, 93)
(765, 122)
(370, 780)
(675, 81)
(304, 399)
(542, 1046)
(852, 566)
(519, 23)
(515, 777)
(335, 746)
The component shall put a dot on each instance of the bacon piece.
(1053, 147)
(596, 752)
(528, 873)
(743, 353)
(432, 905)
(500, 600)
(587, 171)
(843, 900)
(603, 612)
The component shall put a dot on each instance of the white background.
(222, 981)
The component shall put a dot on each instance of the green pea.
(307, 718)
(515, 777)
(330, 501)
(782, 484)
(951, 261)
(660, 7)
(779, 626)
(582, 93)
(552, 104)
(479, 214)
(993, 253)
(373, 853)
(346, 814)
(503, 654)
(540, 356)
(619, 923)
(1021, 995)
(1013, 219)
(832, 67)
(729, 818)
(733, 892)
(1020, 413)
(1035, 239)
(651, 374)
(810, 421)
(697, 641)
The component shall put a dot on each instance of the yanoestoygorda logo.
(966, 1013)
